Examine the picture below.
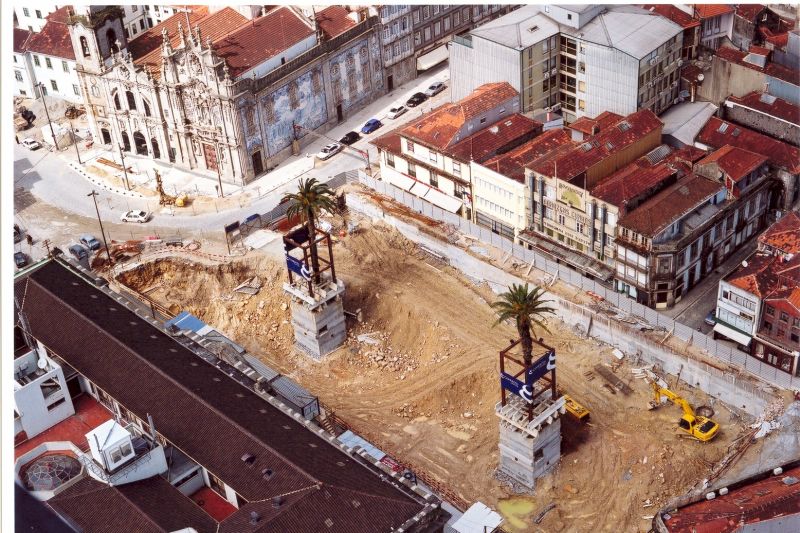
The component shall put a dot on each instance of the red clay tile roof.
(636, 180)
(772, 69)
(770, 105)
(440, 127)
(778, 153)
(512, 163)
(749, 12)
(601, 121)
(487, 142)
(21, 38)
(671, 204)
(262, 39)
(678, 16)
(391, 142)
(611, 139)
(759, 50)
(760, 501)
(152, 39)
(705, 11)
(765, 274)
(334, 20)
(783, 235)
(735, 162)
(213, 419)
(214, 26)
(54, 40)
(786, 299)
(779, 40)
(59, 15)
(583, 124)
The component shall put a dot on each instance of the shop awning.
(402, 181)
(439, 199)
(736, 336)
(432, 58)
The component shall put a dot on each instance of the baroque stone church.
(219, 92)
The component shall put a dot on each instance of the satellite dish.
(42, 363)
(700, 77)
(744, 264)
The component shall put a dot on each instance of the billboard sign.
(540, 367)
(298, 267)
(230, 228)
(515, 386)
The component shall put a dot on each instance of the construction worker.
(29, 239)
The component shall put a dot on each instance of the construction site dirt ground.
(424, 384)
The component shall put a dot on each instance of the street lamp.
(75, 142)
(94, 196)
(219, 176)
(124, 170)
(42, 89)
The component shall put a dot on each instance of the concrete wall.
(518, 452)
(727, 79)
(499, 191)
(35, 416)
(612, 81)
(767, 124)
(485, 62)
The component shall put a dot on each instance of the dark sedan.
(416, 99)
(349, 138)
(20, 259)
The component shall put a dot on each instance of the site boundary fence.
(732, 356)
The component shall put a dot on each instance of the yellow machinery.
(699, 427)
(575, 409)
(167, 199)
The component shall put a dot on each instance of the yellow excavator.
(699, 427)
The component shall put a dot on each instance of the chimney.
(254, 518)
(595, 129)
(277, 501)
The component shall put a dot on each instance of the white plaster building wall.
(23, 75)
(36, 413)
(32, 16)
(285, 56)
(740, 309)
(612, 81)
(62, 72)
(134, 21)
(715, 29)
(159, 13)
(485, 62)
(499, 197)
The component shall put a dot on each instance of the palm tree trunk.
(527, 344)
(312, 239)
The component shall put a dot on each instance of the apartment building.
(566, 220)
(399, 59)
(32, 17)
(23, 74)
(606, 58)
(430, 157)
(690, 25)
(716, 24)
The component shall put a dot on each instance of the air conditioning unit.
(554, 72)
(556, 107)
(680, 62)
(651, 83)
(674, 84)
(653, 61)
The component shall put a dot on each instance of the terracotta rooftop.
(779, 40)
(54, 39)
(261, 39)
(643, 177)
(786, 299)
(749, 12)
(770, 105)
(611, 139)
(440, 128)
(587, 125)
(512, 163)
(753, 503)
(391, 141)
(783, 235)
(151, 39)
(678, 16)
(210, 417)
(487, 142)
(21, 38)
(671, 204)
(717, 133)
(735, 162)
(334, 20)
(772, 69)
(214, 26)
(764, 274)
(705, 11)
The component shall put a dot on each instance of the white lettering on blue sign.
(306, 273)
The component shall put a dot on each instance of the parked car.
(135, 216)
(396, 111)
(710, 318)
(78, 252)
(30, 144)
(89, 241)
(329, 151)
(416, 99)
(435, 89)
(349, 138)
(371, 125)
(20, 259)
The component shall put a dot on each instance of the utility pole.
(94, 196)
(75, 142)
(46, 244)
(219, 176)
(124, 170)
(42, 89)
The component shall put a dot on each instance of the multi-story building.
(673, 240)
(134, 21)
(430, 157)
(690, 25)
(566, 220)
(766, 114)
(219, 94)
(23, 74)
(777, 342)
(782, 158)
(238, 458)
(434, 25)
(608, 58)
(783, 237)
(399, 59)
(33, 17)
(716, 24)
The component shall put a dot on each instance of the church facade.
(219, 93)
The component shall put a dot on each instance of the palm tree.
(311, 199)
(527, 308)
